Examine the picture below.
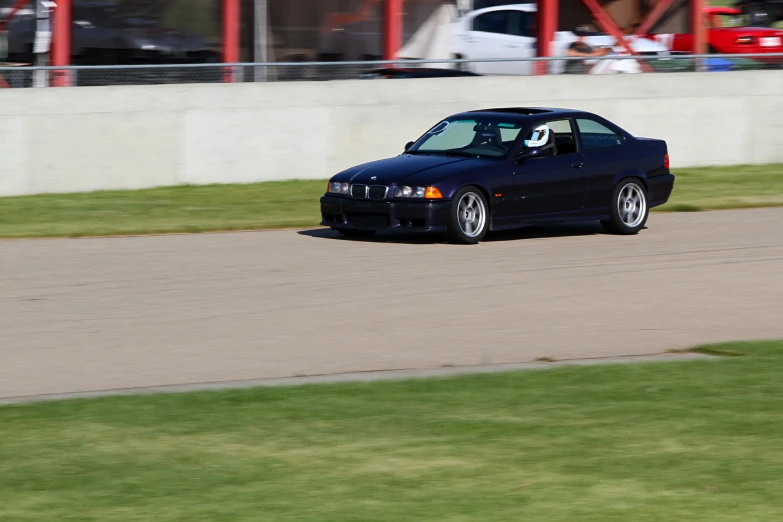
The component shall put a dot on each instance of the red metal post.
(61, 43)
(231, 29)
(697, 26)
(392, 28)
(547, 25)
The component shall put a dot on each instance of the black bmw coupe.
(495, 169)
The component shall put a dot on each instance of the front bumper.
(420, 216)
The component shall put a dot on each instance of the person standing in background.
(580, 48)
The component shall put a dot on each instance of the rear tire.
(629, 208)
(352, 232)
(468, 216)
(462, 67)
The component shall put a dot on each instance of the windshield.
(98, 16)
(469, 137)
(717, 21)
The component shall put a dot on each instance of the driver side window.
(564, 136)
(564, 142)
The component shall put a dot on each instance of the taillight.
(666, 161)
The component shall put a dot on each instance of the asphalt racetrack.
(112, 313)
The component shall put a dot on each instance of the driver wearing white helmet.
(543, 138)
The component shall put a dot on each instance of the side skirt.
(593, 214)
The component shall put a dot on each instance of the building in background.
(340, 30)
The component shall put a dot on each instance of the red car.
(728, 34)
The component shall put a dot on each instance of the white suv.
(508, 31)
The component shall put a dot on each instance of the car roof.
(521, 6)
(722, 10)
(94, 4)
(436, 70)
(524, 113)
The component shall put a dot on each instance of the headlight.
(338, 187)
(418, 192)
(410, 192)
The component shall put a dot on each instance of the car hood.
(156, 9)
(409, 168)
(161, 35)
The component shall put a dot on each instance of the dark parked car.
(106, 33)
(496, 169)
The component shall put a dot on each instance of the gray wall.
(89, 138)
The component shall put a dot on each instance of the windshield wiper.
(458, 153)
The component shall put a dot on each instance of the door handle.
(577, 165)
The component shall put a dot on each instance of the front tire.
(468, 216)
(354, 233)
(629, 209)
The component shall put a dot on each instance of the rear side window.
(493, 22)
(514, 23)
(597, 136)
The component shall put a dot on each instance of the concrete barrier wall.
(82, 139)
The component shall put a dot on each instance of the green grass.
(716, 188)
(163, 210)
(696, 441)
(295, 204)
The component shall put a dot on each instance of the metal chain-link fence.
(29, 76)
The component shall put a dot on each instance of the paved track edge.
(365, 377)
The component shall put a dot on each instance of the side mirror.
(532, 153)
(408, 145)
